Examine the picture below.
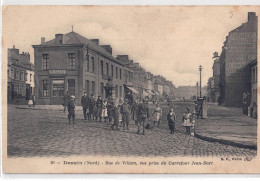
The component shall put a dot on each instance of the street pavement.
(44, 131)
(229, 126)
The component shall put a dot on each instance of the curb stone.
(226, 142)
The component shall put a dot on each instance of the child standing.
(171, 117)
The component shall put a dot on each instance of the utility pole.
(197, 86)
(200, 69)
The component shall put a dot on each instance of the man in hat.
(91, 106)
(85, 105)
(71, 109)
(110, 105)
(142, 115)
(115, 115)
(66, 99)
(99, 108)
(125, 112)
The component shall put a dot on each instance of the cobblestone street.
(46, 132)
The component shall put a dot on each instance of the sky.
(171, 41)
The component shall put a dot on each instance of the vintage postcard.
(130, 89)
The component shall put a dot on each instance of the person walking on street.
(71, 109)
(99, 108)
(91, 106)
(85, 105)
(104, 110)
(125, 112)
(110, 106)
(157, 115)
(143, 116)
(171, 117)
(66, 99)
(34, 100)
(115, 115)
(134, 111)
(187, 120)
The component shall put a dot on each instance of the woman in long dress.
(187, 120)
(157, 115)
(104, 110)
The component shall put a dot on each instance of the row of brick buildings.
(71, 62)
(234, 80)
(20, 74)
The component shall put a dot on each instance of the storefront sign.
(57, 72)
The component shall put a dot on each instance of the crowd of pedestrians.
(109, 111)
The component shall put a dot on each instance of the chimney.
(131, 61)
(14, 50)
(42, 40)
(251, 16)
(95, 41)
(58, 39)
(108, 48)
(123, 58)
(215, 55)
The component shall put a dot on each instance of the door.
(57, 92)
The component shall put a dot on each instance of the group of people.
(107, 110)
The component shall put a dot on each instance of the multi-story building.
(76, 64)
(19, 67)
(214, 91)
(239, 50)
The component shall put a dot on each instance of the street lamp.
(200, 69)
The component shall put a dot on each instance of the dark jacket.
(115, 113)
(71, 107)
(143, 111)
(99, 103)
(171, 119)
(85, 102)
(125, 109)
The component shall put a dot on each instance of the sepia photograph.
(130, 89)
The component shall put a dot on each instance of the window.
(87, 86)
(120, 91)
(45, 88)
(102, 89)
(45, 61)
(22, 75)
(93, 88)
(72, 63)
(30, 77)
(116, 91)
(17, 76)
(112, 70)
(116, 72)
(26, 76)
(18, 89)
(120, 72)
(102, 67)
(71, 86)
(93, 64)
(107, 69)
(58, 88)
(8, 74)
(12, 73)
(87, 63)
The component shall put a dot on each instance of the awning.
(155, 93)
(149, 92)
(132, 89)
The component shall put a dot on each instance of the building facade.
(19, 68)
(239, 50)
(76, 64)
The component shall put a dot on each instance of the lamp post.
(200, 69)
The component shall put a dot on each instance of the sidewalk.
(228, 126)
(42, 107)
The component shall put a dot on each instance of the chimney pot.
(42, 40)
(13, 46)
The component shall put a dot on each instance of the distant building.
(253, 71)
(20, 76)
(214, 91)
(239, 50)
